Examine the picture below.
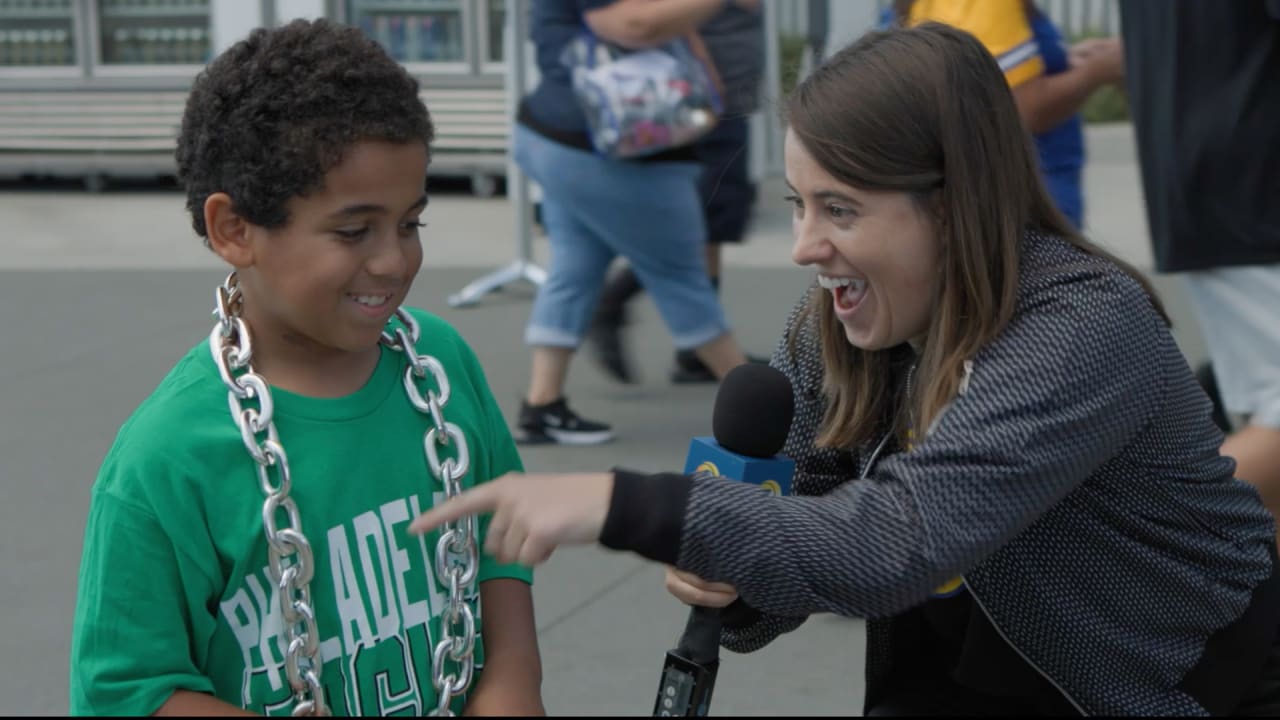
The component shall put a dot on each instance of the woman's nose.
(810, 247)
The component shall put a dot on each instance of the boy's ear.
(228, 232)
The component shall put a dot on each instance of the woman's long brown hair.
(926, 111)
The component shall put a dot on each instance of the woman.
(1002, 457)
(595, 208)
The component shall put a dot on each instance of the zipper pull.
(964, 380)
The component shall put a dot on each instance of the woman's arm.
(1065, 387)
(646, 23)
(511, 683)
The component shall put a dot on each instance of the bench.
(99, 133)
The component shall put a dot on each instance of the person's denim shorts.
(594, 209)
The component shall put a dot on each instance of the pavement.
(101, 292)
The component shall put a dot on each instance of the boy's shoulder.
(190, 397)
(437, 336)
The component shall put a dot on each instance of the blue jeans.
(595, 209)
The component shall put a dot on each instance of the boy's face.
(331, 277)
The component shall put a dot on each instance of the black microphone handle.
(689, 671)
(701, 640)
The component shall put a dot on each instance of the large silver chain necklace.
(290, 560)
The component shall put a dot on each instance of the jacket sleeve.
(1066, 385)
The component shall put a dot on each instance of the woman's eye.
(838, 212)
(797, 205)
(413, 226)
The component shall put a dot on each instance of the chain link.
(290, 558)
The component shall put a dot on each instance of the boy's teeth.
(374, 300)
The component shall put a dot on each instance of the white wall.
(287, 10)
(231, 21)
(849, 19)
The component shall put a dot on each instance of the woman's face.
(877, 253)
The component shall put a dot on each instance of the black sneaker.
(605, 336)
(606, 343)
(689, 369)
(556, 423)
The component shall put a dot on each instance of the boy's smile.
(320, 289)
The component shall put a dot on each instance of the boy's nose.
(390, 258)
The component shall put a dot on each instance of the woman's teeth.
(831, 283)
(846, 291)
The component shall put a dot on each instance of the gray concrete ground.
(100, 294)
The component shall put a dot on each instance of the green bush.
(791, 54)
(1107, 104)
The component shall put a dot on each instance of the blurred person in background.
(1050, 80)
(735, 39)
(1204, 93)
(595, 208)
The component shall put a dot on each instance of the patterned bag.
(641, 102)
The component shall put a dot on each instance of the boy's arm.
(511, 683)
(185, 703)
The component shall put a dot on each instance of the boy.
(252, 555)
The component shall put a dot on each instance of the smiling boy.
(246, 545)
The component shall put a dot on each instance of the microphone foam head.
(753, 411)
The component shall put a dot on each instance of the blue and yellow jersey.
(1001, 25)
(1026, 44)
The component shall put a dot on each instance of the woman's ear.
(228, 233)
(937, 208)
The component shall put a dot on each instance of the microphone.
(752, 417)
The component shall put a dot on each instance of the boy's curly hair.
(276, 111)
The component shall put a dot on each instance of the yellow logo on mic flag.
(772, 486)
(708, 466)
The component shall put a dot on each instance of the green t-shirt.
(174, 589)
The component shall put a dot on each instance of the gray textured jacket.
(1075, 483)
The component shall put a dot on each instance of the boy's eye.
(351, 234)
(413, 225)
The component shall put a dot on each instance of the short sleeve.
(134, 623)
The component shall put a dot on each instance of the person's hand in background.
(1102, 58)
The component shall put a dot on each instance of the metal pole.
(522, 268)
(773, 164)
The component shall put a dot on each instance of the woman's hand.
(693, 590)
(533, 514)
